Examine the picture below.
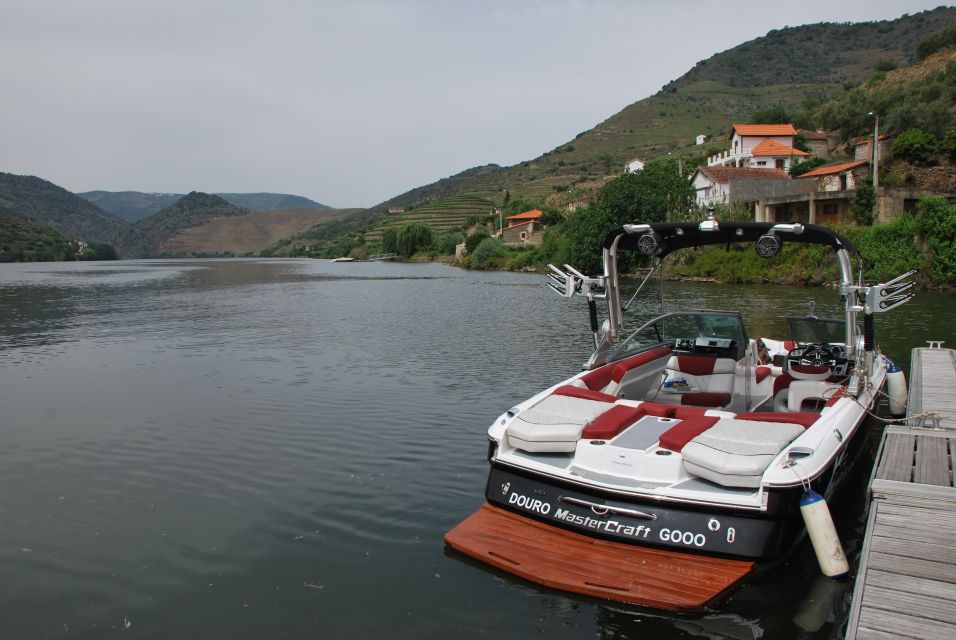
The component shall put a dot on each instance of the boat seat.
(610, 378)
(677, 437)
(735, 453)
(554, 424)
(705, 381)
(803, 390)
(620, 417)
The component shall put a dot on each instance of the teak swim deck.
(573, 562)
(906, 584)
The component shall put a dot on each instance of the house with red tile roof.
(523, 228)
(838, 177)
(760, 146)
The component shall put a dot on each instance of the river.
(274, 449)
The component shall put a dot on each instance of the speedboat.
(673, 465)
(342, 259)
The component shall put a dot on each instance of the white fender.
(895, 387)
(823, 535)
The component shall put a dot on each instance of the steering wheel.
(812, 355)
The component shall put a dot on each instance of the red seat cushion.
(706, 398)
(612, 422)
(804, 418)
(686, 430)
(659, 409)
(762, 373)
(696, 365)
(586, 394)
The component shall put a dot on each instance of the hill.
(444, 214)
(23, 240)
(131, 206)
(246, 234)
(148, 238)
(784, 67)
(56, 207)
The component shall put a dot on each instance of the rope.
(934, 415)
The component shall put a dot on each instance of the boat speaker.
(769, 245)
(649, 244)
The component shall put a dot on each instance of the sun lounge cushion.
(620, 417)
(735, 453)
(608, 377)
(612, 422)
(684, 431)
(554, 424)
(805, 418)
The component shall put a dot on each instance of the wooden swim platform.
(906, 582)
(573, 562)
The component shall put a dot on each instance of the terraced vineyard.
(440, 215)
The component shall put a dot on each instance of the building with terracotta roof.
(761, 146)
(838, 177)
(523, 228)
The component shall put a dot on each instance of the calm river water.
(273, 449)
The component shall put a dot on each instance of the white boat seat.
(802, 390)
(735, 453)
(554, 424)
(699, 380)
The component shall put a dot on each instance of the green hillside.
(146, 238)
(23, 240)
(56, 207)
(784, 67)
(440, 215)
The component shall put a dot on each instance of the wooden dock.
(906, 582)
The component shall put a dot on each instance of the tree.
(648, 195)
(914, 145)
(771, 115)
(472, 241)
(390, 240)
(864, 199)
(487, 252)
(412, 238)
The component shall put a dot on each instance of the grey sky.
(348, 103)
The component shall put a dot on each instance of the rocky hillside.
(23, 240)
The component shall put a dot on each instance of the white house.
(634, 165)
(701, 139)
(713, 184)
(763, 146)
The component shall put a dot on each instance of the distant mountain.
(56, 207)
(148, 238)
(131, 206)
(270, 201)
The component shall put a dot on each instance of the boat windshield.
(817, 330)
(704, 332)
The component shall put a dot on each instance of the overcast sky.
(348, 103)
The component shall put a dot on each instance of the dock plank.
(932, 462)
(906, 581)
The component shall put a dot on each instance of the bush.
(472, 241)
(914, 145)
(936, 42)
(445, 243)
(861, 207)
(936, 221)
(488, 253)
